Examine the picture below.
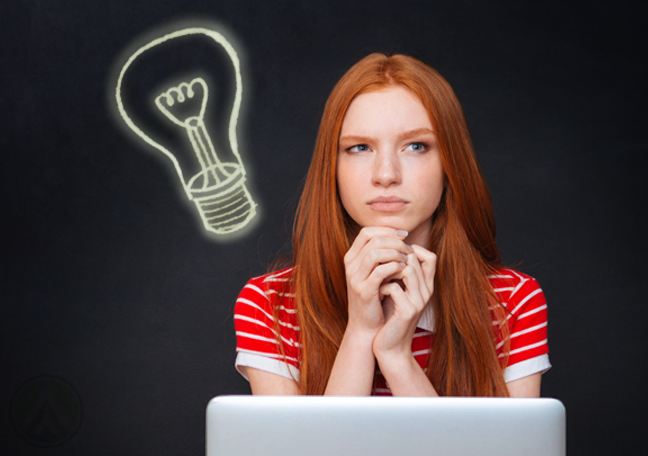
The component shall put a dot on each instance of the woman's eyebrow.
(405, 135)
(357, 139)
(414, 133)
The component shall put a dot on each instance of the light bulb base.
(226, 206)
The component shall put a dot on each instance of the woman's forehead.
(393, 108)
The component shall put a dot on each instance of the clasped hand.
(389, 283)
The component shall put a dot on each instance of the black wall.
(114, 298)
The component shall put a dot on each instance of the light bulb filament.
(212, 169)
(178, 93)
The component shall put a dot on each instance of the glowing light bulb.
(218, 189)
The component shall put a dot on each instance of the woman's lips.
(387, 204)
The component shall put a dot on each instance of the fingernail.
(410, 248)
(402, 265)
(401, 233)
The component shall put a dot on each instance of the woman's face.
(389, 171)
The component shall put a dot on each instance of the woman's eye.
(417, 147)
(358, 148)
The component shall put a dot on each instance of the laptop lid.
(376, 426)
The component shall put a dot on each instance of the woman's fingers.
(374, 235)
(415, 280)
(374, 246)
(376, 257)
(418, 281)
(394, 290)
(412, 276)
(376, 253)
(368, 287)
(409, 291)
(403, 306)
(378, 264)
(428, 261)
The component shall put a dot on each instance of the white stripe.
(524, 331)
(527, 367)
(263, 362)
(517, 287)
(529, 296)
(254, 336)
(264, 354)
(497, 306)
(255, 305)
(290, 311)
(531, 312)
(270, 317)
(528, 347)
(528, 330)
(259, 322)
(274, 274)
(421, 352)
(280, 273)
(252, 320)
(258, 290)
(518, 275)
(499, 276)
(290, 295)
(290, 342)
(499, 290)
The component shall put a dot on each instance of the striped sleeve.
(527, 320)
(256, 339)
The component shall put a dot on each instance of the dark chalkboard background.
(115, 299)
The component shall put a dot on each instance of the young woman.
(396, 286)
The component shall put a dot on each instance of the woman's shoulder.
(509, 276)
(275, 279)
(267, 287)
(514, 288)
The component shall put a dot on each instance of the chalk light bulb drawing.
(218, 189)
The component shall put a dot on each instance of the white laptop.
(377, 426)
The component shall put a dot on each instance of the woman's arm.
(266, 383)
(352, 373)
(525, 387)
(409, 379)
(353, 370)
(405, 377)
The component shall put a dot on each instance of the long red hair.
(463, 361)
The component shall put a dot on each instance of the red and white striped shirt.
(257, 346)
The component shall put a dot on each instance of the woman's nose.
(386, 170)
